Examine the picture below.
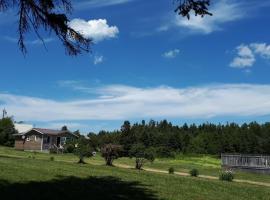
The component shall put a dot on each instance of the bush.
(83, 149)
(69, 148)
(165, 152)
(141, 155)
(226, 176)
(171, 170)
(51, 158)
(53, 150)
(110, 152)
(194, 172)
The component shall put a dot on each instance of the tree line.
(166, 139)
(146, 140)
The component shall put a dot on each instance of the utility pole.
(4, 113)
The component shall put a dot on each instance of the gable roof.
(50, 132)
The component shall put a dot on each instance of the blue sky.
(146, 63)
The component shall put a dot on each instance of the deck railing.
(246, 161)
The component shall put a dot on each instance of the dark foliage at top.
(50, 15)
(199, 7)
(94, 188)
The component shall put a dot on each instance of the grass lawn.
(207, 165)
(28, 178)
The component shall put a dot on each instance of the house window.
(27, 138)
(48, 139)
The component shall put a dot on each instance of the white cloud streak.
(98, 3)
(119, 102)
(97, 29)
(30, 42)
(171, 54)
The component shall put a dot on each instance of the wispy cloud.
(224, 11)
(85, 4)
(171, 54)
(29, 42)
(97, 29)
(246, 54)
(98, 59)
(124, 102)
(75, 85)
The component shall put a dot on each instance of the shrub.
(51, 158)
(226, 176)
(53, 150)
(83, 149)
(69, 148)
(110, 152)
(165, 152)
(171, 170)
(141, 155)
(194, 172)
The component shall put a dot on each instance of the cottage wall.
(31, 142)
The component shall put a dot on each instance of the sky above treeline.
(146, 63)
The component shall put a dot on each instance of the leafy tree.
(50, 15)
(141, 155)
(83, 149)
(110, 152)
(6, 131)
(64, 128)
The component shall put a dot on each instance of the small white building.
(22, 128)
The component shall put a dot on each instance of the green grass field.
(34, 176)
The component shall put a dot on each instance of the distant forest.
(167, 139)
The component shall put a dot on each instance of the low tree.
(83, 149)
(141, 155)
(110, 152)
(6, 131)
(64, 128)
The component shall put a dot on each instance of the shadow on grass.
(92, 188)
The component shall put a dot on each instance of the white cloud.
(171, 54)
(96, 29)
(246, 54)
(119, 102)
(262, 49)
(98, 59)
(224, 11)
(245, 57)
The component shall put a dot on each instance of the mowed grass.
(206, 164)
(28, 178)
